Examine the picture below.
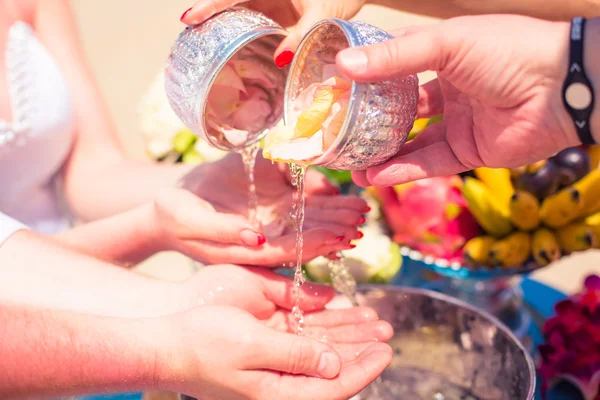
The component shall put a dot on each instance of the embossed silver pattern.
(380, 114)
(200, 53)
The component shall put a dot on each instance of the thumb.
(193, 219)
(398, 57)
(295, 354)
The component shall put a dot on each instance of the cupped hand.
(218, 231)
(297, 15)
(269, 297)
(226, 353)
(251, 351)
(499, 88)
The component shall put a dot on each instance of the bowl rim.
(333, 152)
(459, 303)
(231, 49)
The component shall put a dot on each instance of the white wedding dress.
(35, 144)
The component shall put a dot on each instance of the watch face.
(578, 96)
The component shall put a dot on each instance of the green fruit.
(335, 177)
(387, 273)
(191, 157)
(183, 141)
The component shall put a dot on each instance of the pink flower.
(430, 216)
(238, 103)
(572, 339)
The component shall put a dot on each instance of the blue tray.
(540, 300)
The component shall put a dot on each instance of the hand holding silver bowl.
(379, 117)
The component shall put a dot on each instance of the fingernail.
(251, 238)
(354, 60)
(336, 192)
(329, 365)
(352, 246)
(335, 240)
(185, 13)
(284, 58)
(261, 239)
(361, 235)
(367, 209)
(361, 220)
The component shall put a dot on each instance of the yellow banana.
(477, 251)
(485, 208)
(561, 208)
(575, 237)
(498, 181)
(593, 222)
(512, 251)
(589, 187)
(545, 247)
(594, 155)
(524, 210)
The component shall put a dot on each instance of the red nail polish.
(261, 239)
(185, 13)
(352, 246)
(339, 238)
(367, 209)
(284, 58)
(361, 235)
(362, 220)
(336, 192)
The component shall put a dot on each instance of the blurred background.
(127, 43)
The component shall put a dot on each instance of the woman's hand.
(297, 15)
(499, 88)
(219, 232)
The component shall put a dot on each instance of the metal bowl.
(380, 115)
(200, 53)
(445, 349)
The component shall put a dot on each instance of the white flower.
(159, 124)
(376, 258)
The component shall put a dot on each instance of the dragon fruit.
(430, 216)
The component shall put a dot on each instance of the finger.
(432, 134)
(338, 216)
(370, 331)
(337, 202)
(273, 253)
(279, 289)
(389, 59)
(437, 159)
(349, 232)
(349, 316)
(193, 220)
(410, 30)
(293, 354)
(431, 100)
(316, 183)
(354, 376)
(296, 33)
(360, 178)
(348, 351)
(204, 9)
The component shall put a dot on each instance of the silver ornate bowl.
(200, 53)
(445, 349)
(380, 115)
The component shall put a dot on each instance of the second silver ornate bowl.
(380, 115)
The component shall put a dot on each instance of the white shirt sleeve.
(8, 226)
